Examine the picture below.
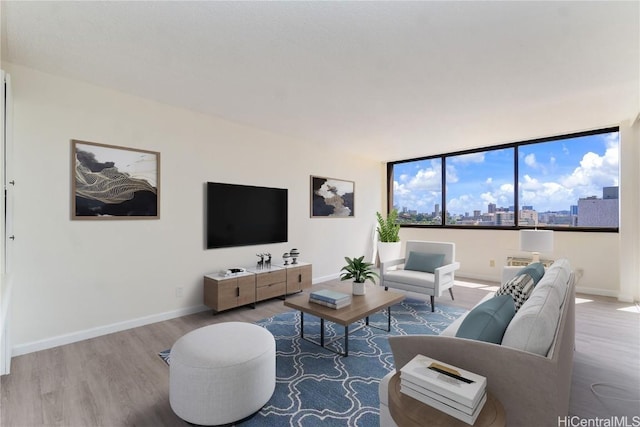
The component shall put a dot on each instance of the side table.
(409, 412)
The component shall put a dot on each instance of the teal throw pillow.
(488, 321)
(535, 270)
(421, 261)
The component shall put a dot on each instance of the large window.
(569, 181)
(480, 188)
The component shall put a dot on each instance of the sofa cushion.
(488, 321)
(420, 261)
(520, 287)
(535, 270)
(557, 278)
(533, 327)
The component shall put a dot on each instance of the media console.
(225, 292)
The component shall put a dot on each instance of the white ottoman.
(222, 373)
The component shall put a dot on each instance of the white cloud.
(530, 160)
(421, 191)
(452, 174)
(545, 195)
(594, 172)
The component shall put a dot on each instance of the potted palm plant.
(388, 229)
(360, 271)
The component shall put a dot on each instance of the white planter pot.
(389, 250)
(359, 288)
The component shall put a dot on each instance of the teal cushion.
(535, 270)
(420, 261)
(488, 321)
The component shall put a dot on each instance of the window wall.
(567, 182)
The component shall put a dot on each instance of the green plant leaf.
(358, 270)
(388, 229)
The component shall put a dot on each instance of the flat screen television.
(243, 215)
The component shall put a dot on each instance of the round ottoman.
(222, 373)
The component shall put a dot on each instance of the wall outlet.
(579, 273)
(179, 292)
(492, 263)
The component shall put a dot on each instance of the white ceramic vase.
(389, 250)
(359, 288)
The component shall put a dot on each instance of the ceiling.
(390, 80)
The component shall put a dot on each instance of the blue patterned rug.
(316, 387)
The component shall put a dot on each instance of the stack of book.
(330, 298)
(457, 392)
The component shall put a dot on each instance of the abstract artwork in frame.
(111, 182)
(332, 197)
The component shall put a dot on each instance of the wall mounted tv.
(242, 215)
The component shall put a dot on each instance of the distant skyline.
(553, 176)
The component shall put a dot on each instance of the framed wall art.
(332, 197)
(111, 182)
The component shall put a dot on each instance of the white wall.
(630, 211)
(75, 279)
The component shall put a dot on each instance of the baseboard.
(462, 275)
(597, 291)
(59, 340)
(317, 280)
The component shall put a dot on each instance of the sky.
(552, 176)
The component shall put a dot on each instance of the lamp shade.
(536, 240)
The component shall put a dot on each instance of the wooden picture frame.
(109, 182)
(333, 198)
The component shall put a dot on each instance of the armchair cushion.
(488, 321)
(412, 278)
(419, 261)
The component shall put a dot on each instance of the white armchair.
(428, 268)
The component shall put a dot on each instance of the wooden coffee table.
(375, 299)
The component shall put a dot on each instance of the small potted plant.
(360, 271)
(389, 246)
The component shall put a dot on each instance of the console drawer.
(271, 291)
(270, 277)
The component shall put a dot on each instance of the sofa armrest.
(525, 383)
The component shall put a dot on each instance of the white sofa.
(534, 388)
(432, 280)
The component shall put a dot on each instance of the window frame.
(516, 198)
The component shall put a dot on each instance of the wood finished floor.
(118, 379)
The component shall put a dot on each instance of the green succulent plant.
(358, 270)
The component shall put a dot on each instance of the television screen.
(242, 215)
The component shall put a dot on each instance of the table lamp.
(536, 241)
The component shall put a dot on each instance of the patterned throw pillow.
(519, 288)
